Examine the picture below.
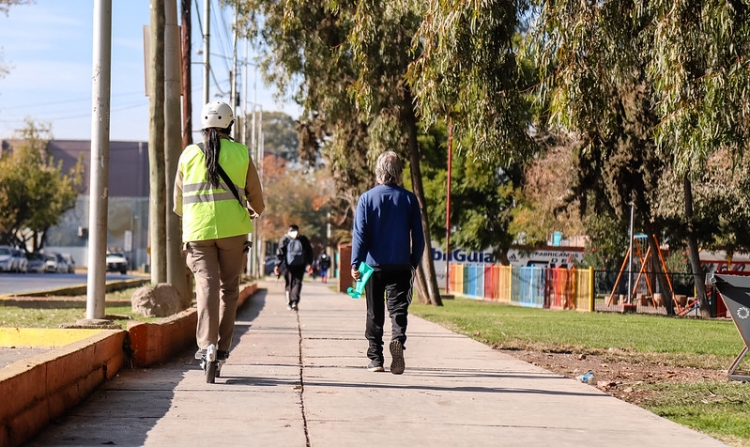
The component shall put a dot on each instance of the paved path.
(299, 379)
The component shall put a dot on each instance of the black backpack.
(295, 253)
(325, 261)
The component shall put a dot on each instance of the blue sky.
(47, 47)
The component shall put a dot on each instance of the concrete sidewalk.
(299, 379)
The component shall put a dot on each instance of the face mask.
(293, 234)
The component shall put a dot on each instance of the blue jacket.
(387, 232)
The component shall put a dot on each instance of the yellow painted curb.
(35, 338)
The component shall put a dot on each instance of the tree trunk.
(695, 262)
(421, 284)
(157, 199)
(410, 122)
(187, 80)
(176, 272)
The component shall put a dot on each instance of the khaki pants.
(217, 266)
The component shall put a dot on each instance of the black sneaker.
(397, 357)
(222, 355)
(376, 366)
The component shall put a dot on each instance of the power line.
(67, 101)
(225, 39)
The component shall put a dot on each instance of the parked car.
(117, 262)
(53, 264)
(70, 263)
(6, 259)
(21, 264)
(36, 262)
(62, 263)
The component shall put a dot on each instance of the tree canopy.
(599, 107)
(34, 190)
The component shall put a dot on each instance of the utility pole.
(233, 95)
(630, 254)
(259, 167)
(253, 248)
(99, 176)
(448, 209)
(206, 48)
(187, 81)
(253, 148)
(244, 102)
(176, 273)
(157, 202)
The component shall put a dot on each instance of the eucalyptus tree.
(484, 193)
(595, 79)
(701, 76)
(469, 71)
(689, 59)
(593, 73)
(301, 48)
(347, 62)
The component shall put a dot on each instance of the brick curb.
(39, 389)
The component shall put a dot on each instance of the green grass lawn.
(719, 409)
(52, 318)
(515, 327)
(11, 316)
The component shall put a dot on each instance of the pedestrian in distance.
(387, 235)
(324, 263)
(294, 256)
(217, 193)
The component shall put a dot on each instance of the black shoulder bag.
(227, 180)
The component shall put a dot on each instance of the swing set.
(639, 240)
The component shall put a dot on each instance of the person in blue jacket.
(387, 235)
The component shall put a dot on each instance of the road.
(18, 283)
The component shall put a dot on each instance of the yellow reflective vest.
(208, 212)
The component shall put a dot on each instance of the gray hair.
(388, 169)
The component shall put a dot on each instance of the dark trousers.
(293, 283)
(394, 289)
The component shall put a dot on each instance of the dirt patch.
(620, 375)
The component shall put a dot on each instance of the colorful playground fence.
(555, 288)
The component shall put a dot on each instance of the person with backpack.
(294, 256)
(324, 263)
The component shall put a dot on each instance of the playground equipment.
(735, 290)
(638, 241)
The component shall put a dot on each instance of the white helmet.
(216, 114)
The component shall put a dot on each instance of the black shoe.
(397, 357)
(222, 355)
(376, 366)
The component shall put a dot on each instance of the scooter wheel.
(211, 368)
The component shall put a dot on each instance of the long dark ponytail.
(211, 148)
